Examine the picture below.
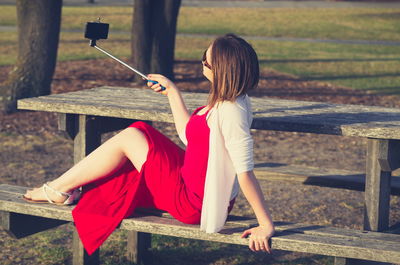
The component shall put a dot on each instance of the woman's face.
(207, 72)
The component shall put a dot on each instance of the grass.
(321, 23)
(328, 23)
(370, 67)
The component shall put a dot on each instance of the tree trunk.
(38, 35)
(153, 35)
(141, 37)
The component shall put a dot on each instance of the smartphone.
(96, 30)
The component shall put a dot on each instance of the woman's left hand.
(259, 238)
(161, 81)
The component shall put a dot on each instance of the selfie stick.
(121, 62)
(97, 30)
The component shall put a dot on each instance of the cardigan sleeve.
(235, 122)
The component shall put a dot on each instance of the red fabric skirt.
(105, 202)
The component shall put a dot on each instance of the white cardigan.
(230, 153)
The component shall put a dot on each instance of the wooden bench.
(334, 178)
(21, 218)
(86, 114)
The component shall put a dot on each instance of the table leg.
(382, 158)
(79, 255)
(138, 244)
(377, 185)
(87, 137)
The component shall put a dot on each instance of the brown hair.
(234, 67)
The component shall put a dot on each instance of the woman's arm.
(260, 235)
(178, 107)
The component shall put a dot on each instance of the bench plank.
(292, 237)
(247, 222)
(13, 189)
(335, 178)
(351, 246)
(269, 113)
(12, 202)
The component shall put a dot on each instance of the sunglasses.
(204, 60)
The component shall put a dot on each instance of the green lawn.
(372, 67)
(321, 23)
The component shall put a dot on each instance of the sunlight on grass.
(73, 46)
(323, 23)
(369, 67)
(119, 18)
(8, 48)
(329, 23)
(8, 15)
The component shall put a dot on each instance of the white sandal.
(72, 196)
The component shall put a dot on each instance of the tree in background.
(153, 35)
(38, 36)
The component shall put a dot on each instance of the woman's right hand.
(162, 81)
(259, 237)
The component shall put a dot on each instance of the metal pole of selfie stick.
(93, 44)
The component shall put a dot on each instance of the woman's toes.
(34, 194)
(28, 194)
(44, 194)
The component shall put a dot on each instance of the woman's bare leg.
(128, 144)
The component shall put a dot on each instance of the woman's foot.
(48, 194)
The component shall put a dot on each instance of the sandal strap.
(59, 193)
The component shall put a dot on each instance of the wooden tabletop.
(269, 113)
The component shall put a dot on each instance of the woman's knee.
(133, 135)
(139, 124)
(135, 146)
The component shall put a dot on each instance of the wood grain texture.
(137, 246)
(269, 114)
(377, 187)
(292, 237)
(335, 178)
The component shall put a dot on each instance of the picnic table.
(86, 114)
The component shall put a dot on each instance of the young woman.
(140, 167)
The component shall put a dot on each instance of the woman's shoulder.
(242, 103)
(236, 111)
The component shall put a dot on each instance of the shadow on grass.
(170, 250)
(330, 77)
(382, 16)
(336, 60)
(385, 90)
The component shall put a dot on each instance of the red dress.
(171, 180)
